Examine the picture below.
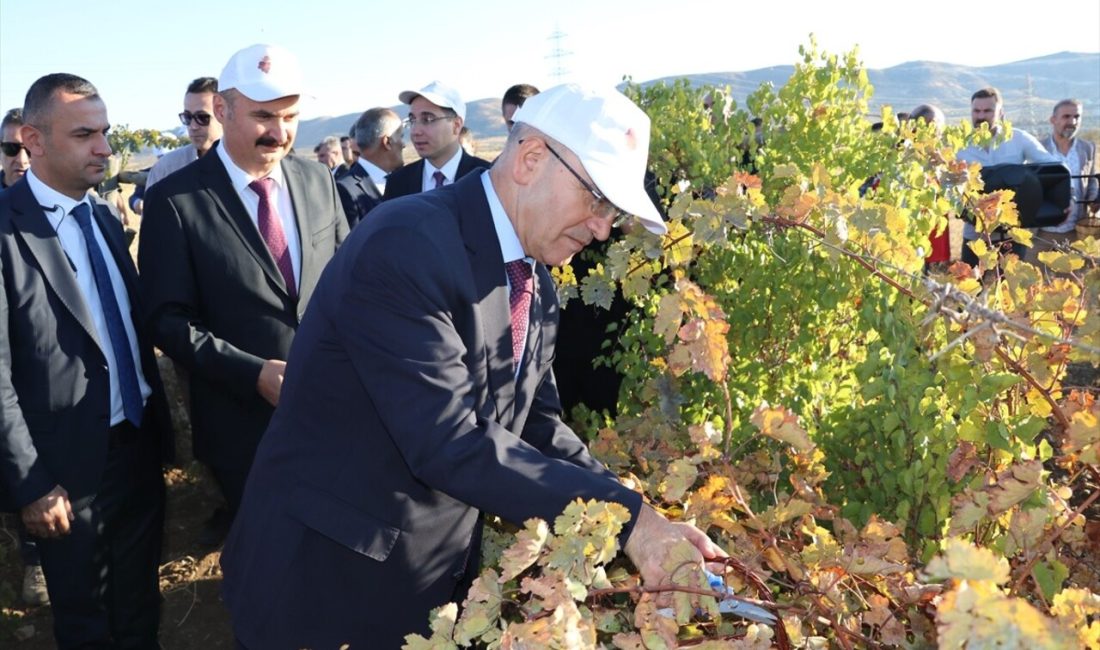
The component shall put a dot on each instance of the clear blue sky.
(141, 55)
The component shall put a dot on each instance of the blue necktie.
(120, 342)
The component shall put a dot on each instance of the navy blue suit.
(55, 429)
(401, 421)
(410, 178)
(358, 194)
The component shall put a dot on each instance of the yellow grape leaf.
(657, 632)
(628, 641)
(1083, 435)
(756, 637)
(1014, 484)
(443, 623)
(967, 509)
(713, 505)
(681, 476)
(891, 630)
(796, 203)
(525, 550)
(961, 560)
(1073, 607)
(678, 242)
(1060, 262)
(704, 341)
(669, 316)
(979, 615)
(785, 170)
(1021, 236)
(1025, 530)
(782, 425)
(565, 627)
(480, 610)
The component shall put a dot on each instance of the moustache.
(267, 141)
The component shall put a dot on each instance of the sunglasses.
(12, 148)
(202, 118)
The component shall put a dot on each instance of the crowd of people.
(368, 345)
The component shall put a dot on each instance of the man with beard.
(83, 419)
(1079, 156)
(987, 107)
(231, 249)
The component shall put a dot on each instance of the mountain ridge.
(1030, 87)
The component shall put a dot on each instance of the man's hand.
(50, 515)
(270, 382)
(652, 540)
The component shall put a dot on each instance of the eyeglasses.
(600, 206)
(427, 119)
(13, 148)
(202, 118)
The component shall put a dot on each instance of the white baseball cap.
(439, 94)
(610, 136)
(262, 73)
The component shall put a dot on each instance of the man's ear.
(220, 108)
(528, 160)
(33, 139)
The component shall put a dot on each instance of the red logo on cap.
(265, 64)
(631, 140)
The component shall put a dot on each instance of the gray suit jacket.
(1086, 152)
(55, 401)
(217, 302)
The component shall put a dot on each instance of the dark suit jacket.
(55, 401)
(218, 304)
(358, 194)
(410, 178)
(401, 421)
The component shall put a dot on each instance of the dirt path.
(192, 616)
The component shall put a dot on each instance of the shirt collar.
(449, 168)
(240, 178)
(376, 173)
(510, 247)
(50, 199)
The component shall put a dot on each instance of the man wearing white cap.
(419, 393)
(436, 116)
(231, 250)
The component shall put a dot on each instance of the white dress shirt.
(57, 207)
(449, 169)
(251, 201)
(510, 247)
(377, 174)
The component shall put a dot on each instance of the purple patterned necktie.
(519, 276)
(271, 229)
(439, 178)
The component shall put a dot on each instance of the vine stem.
(1049, 539)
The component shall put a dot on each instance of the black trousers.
(102, 576)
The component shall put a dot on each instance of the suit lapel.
(487, 265)
(220, 191)
(296, 185)
(42, 242)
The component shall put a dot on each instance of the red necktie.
(519, 276)
(271, 229)
(439, 178)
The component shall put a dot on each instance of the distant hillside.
(1031, 88)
